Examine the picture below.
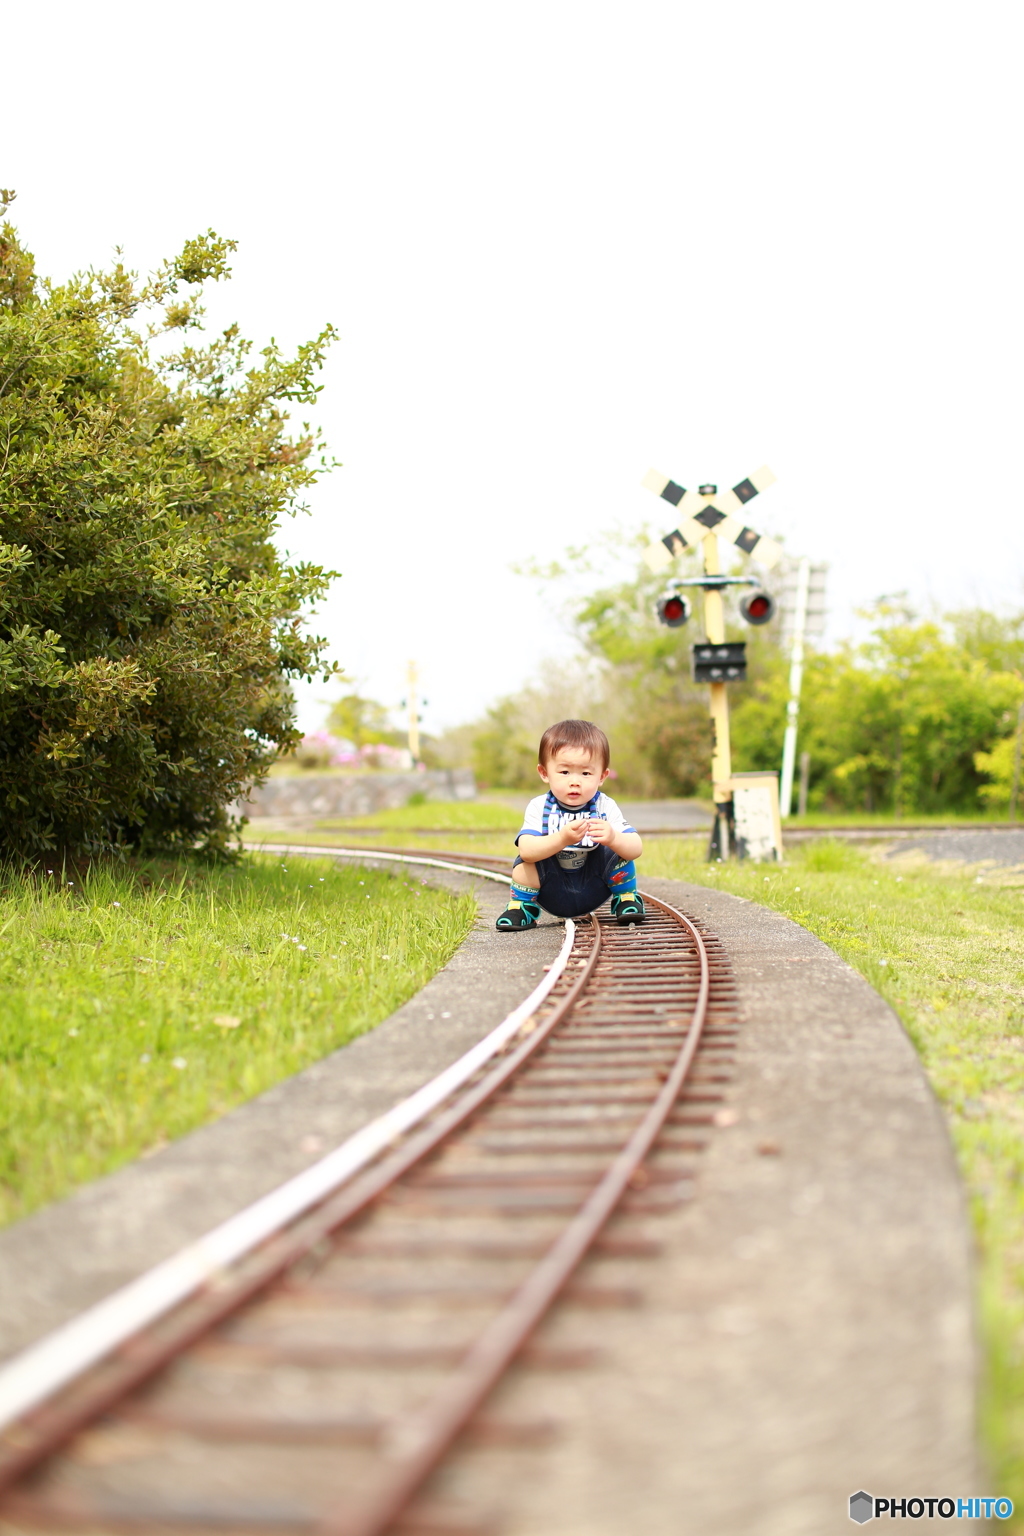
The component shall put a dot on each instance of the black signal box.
(726, 663)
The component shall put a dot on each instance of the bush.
(148, 627)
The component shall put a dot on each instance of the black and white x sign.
(700, 515)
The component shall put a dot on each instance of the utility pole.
(803, 618)
(413, 702)
(796, 674)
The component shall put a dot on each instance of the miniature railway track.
(315, 1385)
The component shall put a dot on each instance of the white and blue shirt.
(546, 814)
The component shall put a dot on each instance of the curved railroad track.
(315, 1374)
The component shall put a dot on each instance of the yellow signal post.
(721, 756)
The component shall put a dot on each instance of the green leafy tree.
(148, 626)
(362, 722)
(897, 724)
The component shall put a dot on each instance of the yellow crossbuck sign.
(704, 514)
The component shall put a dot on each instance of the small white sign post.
(758, 826)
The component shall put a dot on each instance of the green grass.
(139, 1004)
(945, 946)
(439, 816)
(888, 820)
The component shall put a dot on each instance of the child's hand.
(600, 831)
(575, 831)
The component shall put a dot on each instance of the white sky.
(562, 242)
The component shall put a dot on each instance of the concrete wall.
(356, 794)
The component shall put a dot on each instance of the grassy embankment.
(462, 826)
(945, 946)
(140, 1003)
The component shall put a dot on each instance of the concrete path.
(665, 815)
(810, 1333)
(1002, 846)
(808, 1329)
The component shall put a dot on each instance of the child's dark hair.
(578, 736)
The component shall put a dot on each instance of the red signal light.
(758, 608)
(673, 610)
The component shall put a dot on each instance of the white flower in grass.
(179, 1063)
(72, 1031)
(115, 903)
(302, 946)
(145, 1057)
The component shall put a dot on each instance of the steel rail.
(419, 1441)
(44, 1368)
(385, 855)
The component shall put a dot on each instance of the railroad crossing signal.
(707, 511)
(706, 516)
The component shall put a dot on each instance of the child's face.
(574, 776)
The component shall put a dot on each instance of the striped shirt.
(545, 814)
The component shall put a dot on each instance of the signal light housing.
(673, 609)
(758, 607)
(725, 663)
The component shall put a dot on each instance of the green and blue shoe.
(518, 914)
(628, 907)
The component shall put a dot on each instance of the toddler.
(575, 847)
